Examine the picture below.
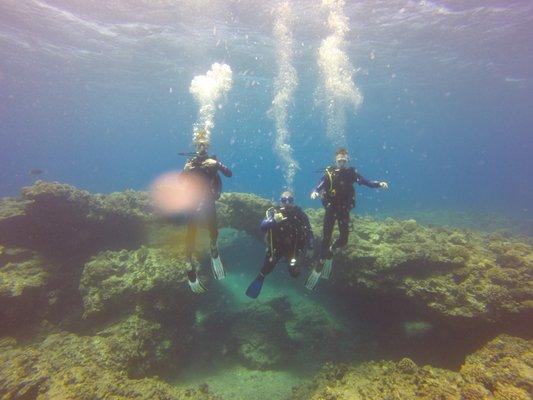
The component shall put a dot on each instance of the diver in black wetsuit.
(207, 168)
(288, 235)
(336, 190)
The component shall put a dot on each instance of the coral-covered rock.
(62, 221)
(70, 367)
(500, 370)
(381, 380)
(259, 334)
(317, 336)
(149, 280)
(145, 347)
(24, 289)
(453, 275)
(504, 362)
(243, 211)
(279, 331)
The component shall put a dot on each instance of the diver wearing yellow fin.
(336, 190)
(207, 168)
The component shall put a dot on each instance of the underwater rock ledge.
(92, 305)
(501, 370)
(457, 277)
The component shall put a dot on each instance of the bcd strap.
(331, 190)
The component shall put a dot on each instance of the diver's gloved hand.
(278, 217)
(210, 163)
(383, 185)
(315, 195)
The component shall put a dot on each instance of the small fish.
(35, 171)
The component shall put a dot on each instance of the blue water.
(96, 95)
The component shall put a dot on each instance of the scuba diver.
(206, 168)
(288, 236)
(336, 190)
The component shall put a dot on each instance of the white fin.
(312, 280)
(218, 268)
(197, 286)
(326, 269)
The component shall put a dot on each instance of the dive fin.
(218, 268)
(326, 269)
(312, 280)
(255, 287)
(197, 286)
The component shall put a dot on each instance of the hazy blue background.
(446, 119)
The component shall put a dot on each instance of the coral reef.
(318, 337)
(472, 219)
(279, 332)
(485, 375)
(504, 364)
(452, 275)
(24, 288)
(70, 367)
(95, 285)
(259, 334)
(62, 221)
(145, 347)
(381, 380)
(118, 282)
(242, 211)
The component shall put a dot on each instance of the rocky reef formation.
(146, 280)
(59, 220)
(71, 367)
(24, 287)
(276, 333)
(501, 371)
(93, 288)
(242, 211)
(459, 277)
(472, 220)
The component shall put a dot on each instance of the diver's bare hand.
(314, 195)
(383, 185)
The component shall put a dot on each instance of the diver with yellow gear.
(336, 190)
(205, 167)
(288, 236)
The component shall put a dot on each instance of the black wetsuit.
(287, 239)
(338, 197)
(207, 210)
